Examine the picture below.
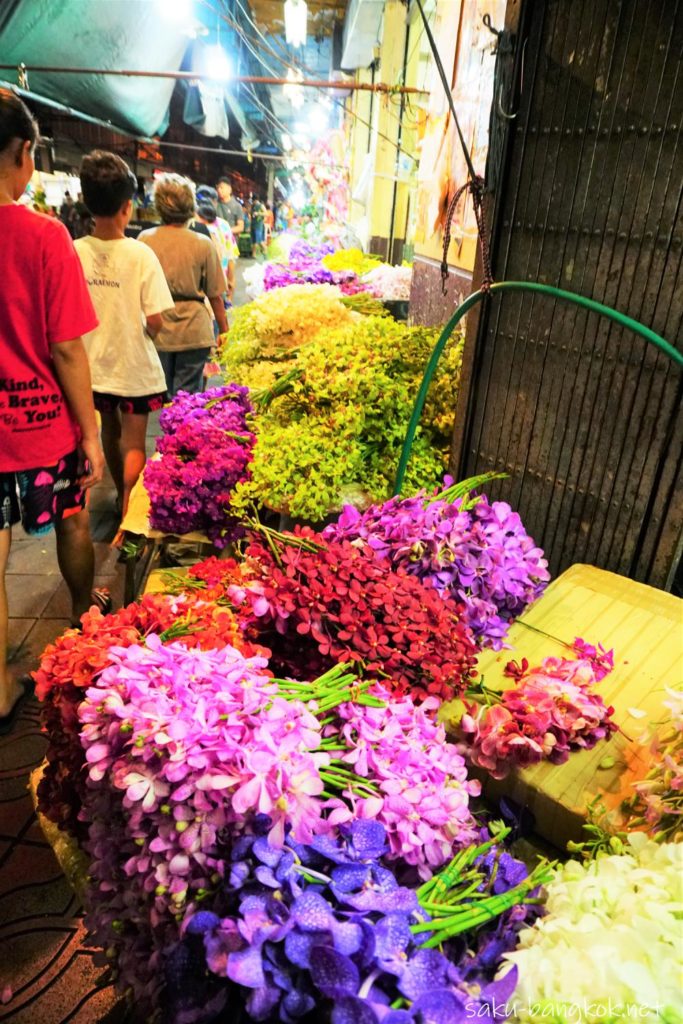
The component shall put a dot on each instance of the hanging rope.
(475, 184)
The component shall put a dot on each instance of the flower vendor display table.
(643, 625)
(70, 857)
(142, 557)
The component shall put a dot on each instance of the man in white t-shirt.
(129, 292)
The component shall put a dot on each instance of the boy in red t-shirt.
(50, 451)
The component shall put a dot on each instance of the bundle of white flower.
(253, 276)
(610, 946)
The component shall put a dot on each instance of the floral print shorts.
(139, 404)
(42, 497)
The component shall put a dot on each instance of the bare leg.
(133, 455)
(10, 690)
(111, 442)
(76, 560)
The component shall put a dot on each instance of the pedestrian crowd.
(93, 321)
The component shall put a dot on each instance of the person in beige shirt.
(194, 273)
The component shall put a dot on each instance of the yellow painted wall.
(431, 165)
(466, 48)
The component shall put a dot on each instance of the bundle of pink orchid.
(551, 711)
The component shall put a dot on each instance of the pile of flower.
(479, 554)
(550, 711)
(392, 284)
(609, 945)
(71, 664)
(657, 804)
(421, 802)
(354, 260)
(186, 749)
(205, 451)
(279, 321)
(337, 427)
(320, 602)
(326, 925)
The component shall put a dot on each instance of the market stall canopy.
(97, 34)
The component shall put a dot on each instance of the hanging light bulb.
(296, 17)
(213, 62)
(292, 90)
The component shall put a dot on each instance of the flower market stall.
(273, 765)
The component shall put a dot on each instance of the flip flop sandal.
(101, 598)
(7, 721)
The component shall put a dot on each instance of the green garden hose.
(513, 286)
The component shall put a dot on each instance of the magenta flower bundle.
(185, 749)
(182, 747)
(278, 276)
(419, 790)
(480, 555)
(302, 253)
(205, 452)
(551, 711)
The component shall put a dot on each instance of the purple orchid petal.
(204, 921)
(368, 839)
(261, 1002)
(312, 913)
(246, 968)
(298, 1004)
(440, 1007)
(333, 973)
(351, 1010)
(501, 990)
(393, 937)
(266, 853)
(350, 877)
(299, 946)
(347, 937)
(426, 971)
(400, 901)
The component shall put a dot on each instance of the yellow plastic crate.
(645, 628)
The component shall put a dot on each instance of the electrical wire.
(295, 66)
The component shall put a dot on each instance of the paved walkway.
(47, 976)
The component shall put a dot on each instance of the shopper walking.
(49, 443)
(129, 291)
(258, 227)
(193, 272)
(228, 207)
(219, 229)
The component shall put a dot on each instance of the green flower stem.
(455, 923)
(349, 777)
(345, 782)
(464, 488)
(446, 880)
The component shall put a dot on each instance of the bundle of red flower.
(69, 666)
(318, 603)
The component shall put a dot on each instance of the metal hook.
(487, 22)
(503, 113)
(508, 117)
